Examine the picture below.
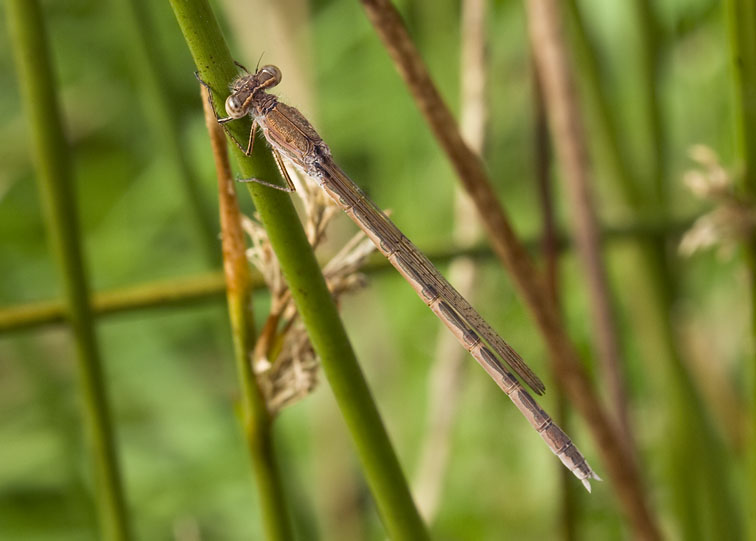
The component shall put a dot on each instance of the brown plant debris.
(284, 361)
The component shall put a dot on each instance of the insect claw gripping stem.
(265, 183)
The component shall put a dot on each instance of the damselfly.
(293, 138)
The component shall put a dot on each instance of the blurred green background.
(169, 370)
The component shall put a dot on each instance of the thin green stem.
(741, 18)
(160, 114)
(55, 174)
(599, 102)
(158, 294)
(211, 286)
(308, 288)
(257, 421)
(651, 57)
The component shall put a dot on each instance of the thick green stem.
(308, 288)
(55, 174)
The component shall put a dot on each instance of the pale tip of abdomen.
(587, 483)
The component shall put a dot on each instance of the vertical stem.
(308, 288)
(552, 64)
(741, 18)
(257, 421)
(650, 53)
(542, 166)
(604, 130)
(160, 114)
(55, 177)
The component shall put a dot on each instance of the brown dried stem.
(257, 421)
(562, 110)
(469, 167)
(542, 159)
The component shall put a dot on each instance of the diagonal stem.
(447, 379)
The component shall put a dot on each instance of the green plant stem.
(257, 420)
(160, 114)
(651, 61)
(712, 498)
(741, 18)
(308, 288)
(604, 127)
(55, 174)
(158, 294)
(212, 285)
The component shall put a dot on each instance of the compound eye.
(270, 75)
(235, 106)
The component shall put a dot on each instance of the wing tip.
(518, 364)
(537, 385)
